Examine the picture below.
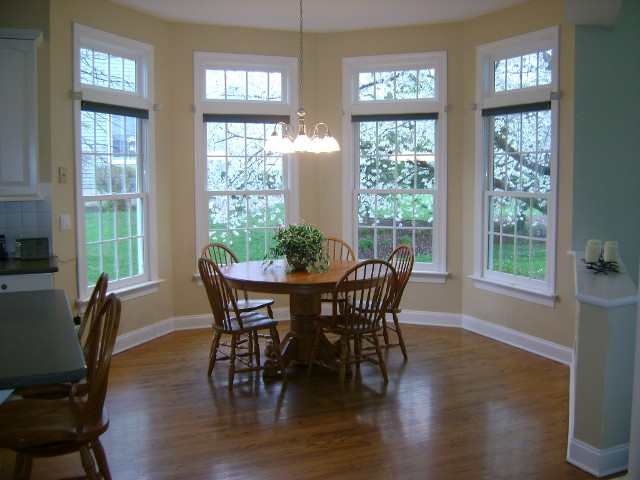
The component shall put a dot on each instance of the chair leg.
(87, 463)
(314, 351)
(275, 338)
(385, 331)
(22, 468)
(215, 342)
(101, 459)
(381, 364)
(232, 360)
(400, 339)
(256, 347)
(344, 343)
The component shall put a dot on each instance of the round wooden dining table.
(305, 306)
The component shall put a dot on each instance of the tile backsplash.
(27, 219)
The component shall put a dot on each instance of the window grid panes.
(243, 85)
(518, 197)
(523, 71)
(397, 85)
(395, 189)
(245, 188)
(102, 69)
(114, 202)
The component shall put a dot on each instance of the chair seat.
(31, 423)
(250, 321)
(253, 304)
(341, 329)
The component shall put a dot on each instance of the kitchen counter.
(15, 266)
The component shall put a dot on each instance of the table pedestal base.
(297, 344)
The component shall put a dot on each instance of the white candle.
(611, 251)
(591, 253)
(595, 242)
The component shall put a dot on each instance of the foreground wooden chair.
(360, 299)
(222, 255)
(60, 390)
(243, 327)
(45, 428)
(402, 259)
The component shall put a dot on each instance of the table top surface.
(38, 340)
(254, 277)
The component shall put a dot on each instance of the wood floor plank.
(462, 407)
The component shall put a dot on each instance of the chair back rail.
(402, 259)
(363, 294)
(338, 249)
(220, 295)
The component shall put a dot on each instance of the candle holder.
(601, 266)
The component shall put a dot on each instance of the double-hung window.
(395, 176)
(112, 88)
(243, 193)
(517, 165)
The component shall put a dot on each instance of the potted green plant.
(302, 245)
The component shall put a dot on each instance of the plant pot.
(298, 265)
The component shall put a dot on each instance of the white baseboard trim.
(520, 340)
(511, 337)
(600, 463)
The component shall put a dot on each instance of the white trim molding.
(600, 463)
(502, 334)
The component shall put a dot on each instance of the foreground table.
(38, 340)
(304, 290)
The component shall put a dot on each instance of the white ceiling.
(319, 15)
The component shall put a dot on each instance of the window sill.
(516, 291)
(128, 293)
(424, 276)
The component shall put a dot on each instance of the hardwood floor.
(462, 407)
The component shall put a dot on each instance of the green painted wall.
(606, 200)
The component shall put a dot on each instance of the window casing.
(113, 125)
(243, 193)
(395, 175)
(517, 132)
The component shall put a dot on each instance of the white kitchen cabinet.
(18, 115)
(31, 281)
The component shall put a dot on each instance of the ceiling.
(319, 15)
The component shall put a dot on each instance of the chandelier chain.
(301, 64)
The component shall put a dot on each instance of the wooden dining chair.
(402, 259)
(60, 390)
(45, 428)
(241, 326)
(222, 255)
(337, 249)
(360, 299)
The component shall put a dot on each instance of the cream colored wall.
(557, 324)
(139, 312)
(320, 180)
(333, 48)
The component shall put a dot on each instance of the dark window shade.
(243, 118)
(522, 108)
(114, 109)
(384, 117)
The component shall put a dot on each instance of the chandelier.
(320, 140)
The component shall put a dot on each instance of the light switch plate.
(65, 222)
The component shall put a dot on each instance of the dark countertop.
(15, 266)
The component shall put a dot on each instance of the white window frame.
(351, 67)
(536, 291)
(211, 60)
(144, 54)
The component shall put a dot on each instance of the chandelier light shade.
(287, 141)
